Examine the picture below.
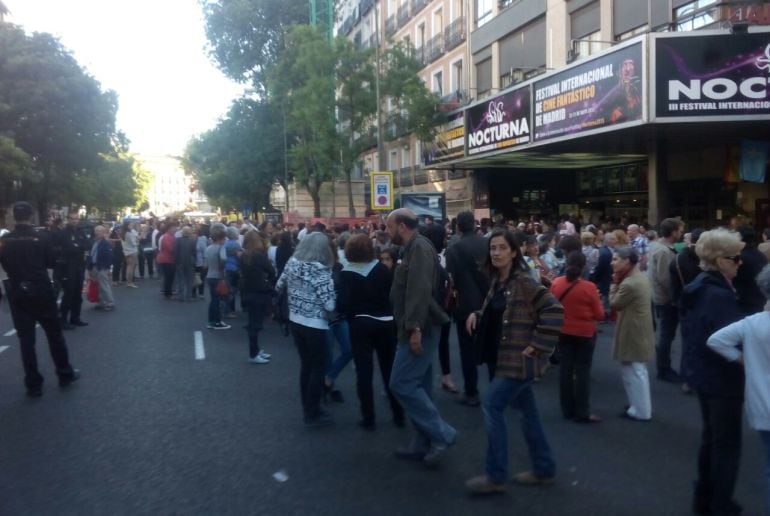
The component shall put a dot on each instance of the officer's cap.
(22, 211)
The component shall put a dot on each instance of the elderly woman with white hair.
(709, 303)
(307, 278)
(753, 334)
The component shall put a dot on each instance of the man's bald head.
(404, 216)
(401, 224)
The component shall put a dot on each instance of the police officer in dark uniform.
(26, 254)
(71, 244)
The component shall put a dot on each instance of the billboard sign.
(382, 190)
(604, 92)
(711, 76)
(499, 123)
(449, 143)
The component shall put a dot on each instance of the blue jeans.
(341, 331)
(765, 436)
(411, 382)
(668, 319)
(215, 303)
(518, 394)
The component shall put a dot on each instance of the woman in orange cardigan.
(582, 308)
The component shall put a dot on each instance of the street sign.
(382, 190)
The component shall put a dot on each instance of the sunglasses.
(735, 259)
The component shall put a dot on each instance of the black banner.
(714, 75)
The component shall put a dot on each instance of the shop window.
(696, 15)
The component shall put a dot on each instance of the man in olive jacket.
(418, 321)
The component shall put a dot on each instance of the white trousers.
(636, 382)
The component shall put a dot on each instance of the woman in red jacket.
(582, 308)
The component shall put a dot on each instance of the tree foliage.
(56, 123)
(302, 84)
(239, 159)
(246, 36)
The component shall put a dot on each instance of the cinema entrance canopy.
(682, 104)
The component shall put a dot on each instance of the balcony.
(454, 33)
(366, 6)
(390, 26)
(402, 16)
(418, 5)
(396, 126)
(371, 42)
(405, 177)
(419, 55)
(435, 47)
(454, 100)
(420, 176)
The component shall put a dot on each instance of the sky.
(151, 52)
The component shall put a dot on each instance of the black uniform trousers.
(28, 310)
(72, 291)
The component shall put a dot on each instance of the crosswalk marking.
(10, 333)
(200, 353)
(3, 348)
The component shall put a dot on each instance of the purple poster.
(714, 75)
(499, 123)
(600, 92)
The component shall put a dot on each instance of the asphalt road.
(150, 429)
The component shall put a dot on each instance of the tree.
(302, 84)
(356, 106)
(14, 165)
(119, 182)
(55, 112)
(246, 36)
(413, 103)
(239, 160)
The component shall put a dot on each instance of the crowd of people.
(521, 297)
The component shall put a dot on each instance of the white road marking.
(200, 353)
(10, 333)
(3, 348)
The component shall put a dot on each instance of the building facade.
(631, 109)
(172, 190)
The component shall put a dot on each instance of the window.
(696, 15)
(524, 50)
(393, 160)
(483, 12)
(405, 158)
(420, 40)
(628, 15)
(633, 32)
(483, 76)
(588, 44)
(457, 76)
(585, 26)
(438, 83)
(438, 22)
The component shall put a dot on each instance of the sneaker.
(131, 285)
(528, 478)
(435, 455)
(482, 485)
(218, 326)
(109, 308)
(64, 382)
(322, 419)
(265, 354)
(259, 359)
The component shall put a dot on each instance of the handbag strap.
(564, 294)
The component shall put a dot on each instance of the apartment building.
(437, 30)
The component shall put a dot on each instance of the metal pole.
(285, 164)
(380, 149)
